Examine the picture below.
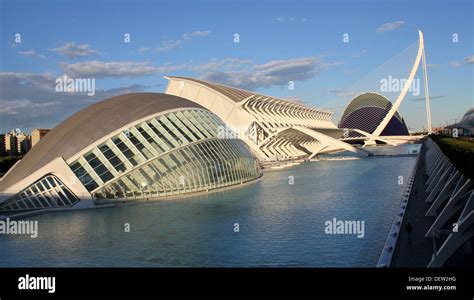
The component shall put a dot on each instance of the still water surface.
(280, 224)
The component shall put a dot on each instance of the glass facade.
(174, 153)
(197, 167)
(47, 192)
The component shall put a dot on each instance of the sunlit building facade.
(274, 128)
(37, 135)
(140, 146)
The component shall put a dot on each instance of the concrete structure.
(273, 128)
(131, 147)
(440, 209)
(451, 199)
(388, 250)
(37, 135)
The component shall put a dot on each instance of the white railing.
(388, 250)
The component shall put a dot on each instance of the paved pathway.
(417, 254)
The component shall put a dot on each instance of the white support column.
(443, 195)
(456, 202)
(431, 182)
(427, 95)
(437, 185)
(455, 240)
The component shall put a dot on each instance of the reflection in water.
(280, 224)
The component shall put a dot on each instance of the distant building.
(22, 144)
(10, 143)
(465, 127)
(16, 143)
(37, 135)
(3, 150)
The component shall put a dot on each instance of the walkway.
(417, 254)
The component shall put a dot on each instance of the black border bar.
(243, 282)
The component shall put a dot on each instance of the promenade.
(449, 202)
(418, 253)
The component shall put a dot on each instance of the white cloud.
(73, 50)
(455, 64)
(469, 59)
(291, 19)
(342, 93)
(31, 53)
(423, 98)
(240, 73)
(389, 26)
(228, 63)
(198, 33)
(16, 107)
(99, 69)
(169, 45)
(29, 100)
(144, 49)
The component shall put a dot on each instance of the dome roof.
(88, 126)
(368, 100)
(468, 118)
(366, 111)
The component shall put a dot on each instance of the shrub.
(460, 153)
(6, 162)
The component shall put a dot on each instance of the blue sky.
(301, 41)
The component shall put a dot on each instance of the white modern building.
(273, 128)
(131, 147)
